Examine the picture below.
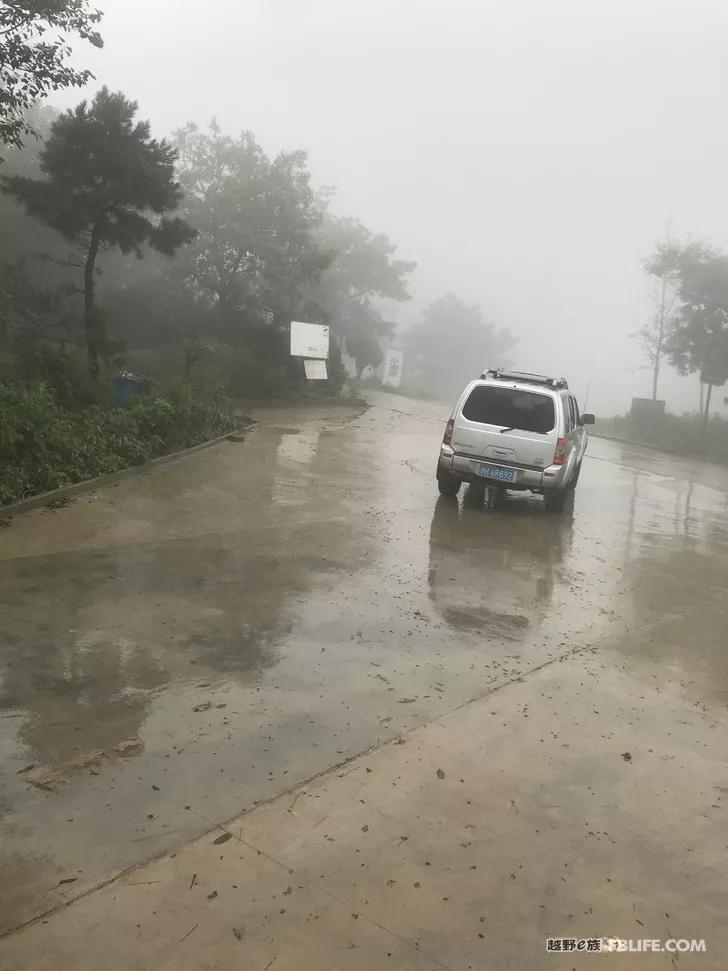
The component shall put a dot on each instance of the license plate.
(497, 472)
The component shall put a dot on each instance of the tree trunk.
(90, 322)
(660, 339)
(706, 414)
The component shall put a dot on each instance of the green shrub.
(274, 383)
(217, 368)
(242, 373)
(45, 446)
(679, 434)
(62, 368)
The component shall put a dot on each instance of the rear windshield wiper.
(504, 430)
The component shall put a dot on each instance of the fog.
(526, 155)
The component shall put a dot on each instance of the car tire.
(572, 484)
(556, 501)
(449, 485)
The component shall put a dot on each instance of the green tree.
(450, 345)
(29, 312)
(698, 340)
(363, 268)
(35, 37)
(255, 217)
(666, 267)
(364, 328)
(107, 184)
(29, 273)
(147, 301)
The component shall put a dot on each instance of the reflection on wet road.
(197, 639)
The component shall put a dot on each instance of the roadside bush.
(238, 372)
(679, 434)
(218, 369)
(274, 383)
(241, 374)
(45, 446)
(61, 367)
(187, 415)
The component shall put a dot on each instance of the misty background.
(527, 156)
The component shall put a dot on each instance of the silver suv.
(512, 430)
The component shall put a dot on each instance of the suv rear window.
(510, 408)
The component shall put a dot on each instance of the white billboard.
(309, 340)
(392, 374)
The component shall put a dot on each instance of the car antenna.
(588, 389)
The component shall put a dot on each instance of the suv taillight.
(560, 453)
(447, 437)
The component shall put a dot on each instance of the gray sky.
(526, 154)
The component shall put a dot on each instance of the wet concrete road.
(198, 639)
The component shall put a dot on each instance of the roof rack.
(500, 374)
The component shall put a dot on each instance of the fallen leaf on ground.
(223, 838)
(129, 747)
(60, 503)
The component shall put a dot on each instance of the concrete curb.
(629, 441)
(250, 404)
(662, 451)
(88, 485)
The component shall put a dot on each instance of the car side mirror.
(587, 419)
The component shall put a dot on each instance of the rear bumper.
(466, 468)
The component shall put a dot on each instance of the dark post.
(706, 413)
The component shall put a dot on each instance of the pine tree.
(107, 184)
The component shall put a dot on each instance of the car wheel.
(572, 484)
(556, 501)
(449, 485)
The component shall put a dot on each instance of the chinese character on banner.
(392, 375)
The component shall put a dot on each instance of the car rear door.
(507, 424)
(571, 424)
